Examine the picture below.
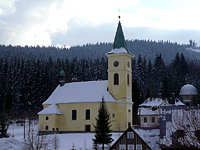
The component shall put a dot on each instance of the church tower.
(119, 68)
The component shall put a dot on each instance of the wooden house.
(137, 139)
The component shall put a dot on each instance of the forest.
(28, 75)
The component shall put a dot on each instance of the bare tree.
(184, 130)
(34, 141)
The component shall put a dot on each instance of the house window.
(122, 147)
(47, 118)
(113, 115)
(130, 135)
(153, 119)
(145, 119)
(53, 129)
(87, 114)
(73, 114)
(87, 128)
(128, 80)
(130, 147)
(47, 127)
(116, 79)
(138, 147)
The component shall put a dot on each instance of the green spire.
(119, 38)
(62, 77)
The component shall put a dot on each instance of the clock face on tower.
(116, 63)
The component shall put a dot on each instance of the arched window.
(116, 79)
(128, 80)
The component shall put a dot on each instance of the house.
(180, 127)
(138, 139)
(149, 110)
(188, 95)
(73, 107)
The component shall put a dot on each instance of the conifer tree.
(3, 126)
(102, 127)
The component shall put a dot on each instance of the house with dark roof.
(135, 138)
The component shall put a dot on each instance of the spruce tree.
(102, 127)
(3, 126)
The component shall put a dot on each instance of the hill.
(149, 49)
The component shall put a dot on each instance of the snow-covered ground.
(80, 141)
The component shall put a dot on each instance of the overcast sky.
(77, 22)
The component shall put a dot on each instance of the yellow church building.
(73, 107)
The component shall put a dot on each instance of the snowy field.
(80, 141)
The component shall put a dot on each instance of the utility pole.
(13, 128)
(24, 127)
(55, 141)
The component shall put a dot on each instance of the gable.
(52, 109)
(124, 140)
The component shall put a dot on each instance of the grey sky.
(77, 22)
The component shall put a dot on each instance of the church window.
(47, 127)
(128, 80)
(128, 64)
(87, 114)
(145, 119)
(116, 79)
(87, 128)
(47, 118)
(74, 115)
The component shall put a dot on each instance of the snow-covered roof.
(178, 103)
(148, 111)
(150, 136)
(153, 102)
(151, 105)
(188, 89)
(52, 109)
(75, 92)
(118, 50)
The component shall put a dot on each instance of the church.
(73, 107)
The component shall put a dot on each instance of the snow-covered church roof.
(75, 92)
(52, 109)
(188, 89)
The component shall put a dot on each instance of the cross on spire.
(119, 40)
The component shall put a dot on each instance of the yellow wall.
(119, 120)
(52, 122)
